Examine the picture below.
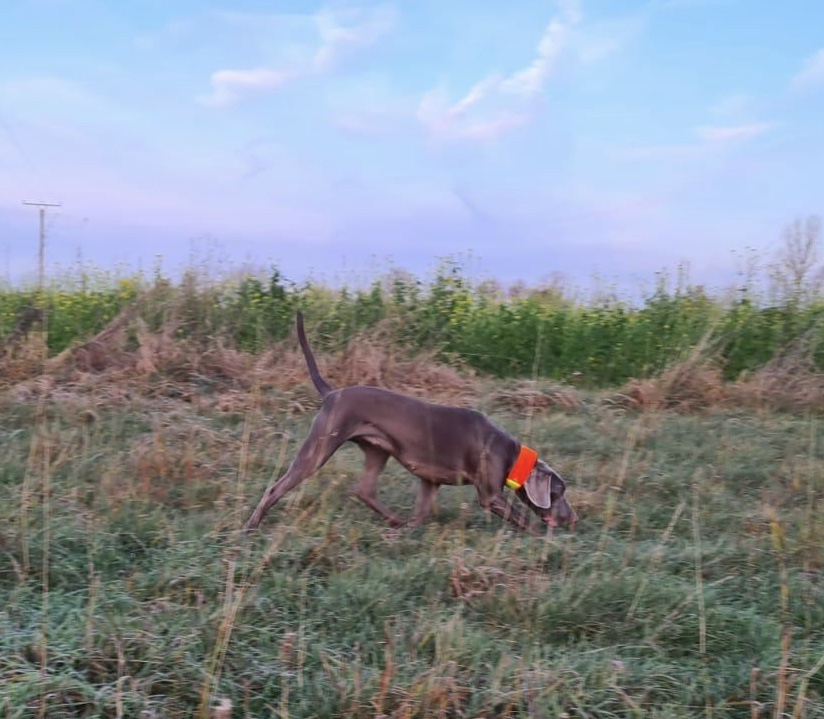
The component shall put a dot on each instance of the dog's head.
(543, 492)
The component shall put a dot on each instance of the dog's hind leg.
(315, 451)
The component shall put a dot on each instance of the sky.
(531, 140)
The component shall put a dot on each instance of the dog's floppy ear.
(538, 486)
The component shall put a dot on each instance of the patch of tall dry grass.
(127, 359)
(788, 383)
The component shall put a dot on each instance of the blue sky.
(615, 137)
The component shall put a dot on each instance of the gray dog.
(438, 444)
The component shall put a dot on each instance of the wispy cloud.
(499, 104)
(595, 42)
(530, 81)
(811, 73)
(445, 122)
(709, 138)
(230, 85)
(338, 31)
(732, 133)
(344, 31)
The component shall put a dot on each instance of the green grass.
(692, 587)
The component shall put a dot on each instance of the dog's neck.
(522, 468)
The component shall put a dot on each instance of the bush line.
(521, 332)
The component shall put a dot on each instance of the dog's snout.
(564, 514)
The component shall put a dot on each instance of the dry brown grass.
(29, 318)
(365, 361)
(22, 359)
(127, 360)
(789, 382)
(524, 396)
(692, 385)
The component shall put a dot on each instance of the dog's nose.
(573, 517)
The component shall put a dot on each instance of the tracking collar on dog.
(522, 468)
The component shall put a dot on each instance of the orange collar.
(522, 468)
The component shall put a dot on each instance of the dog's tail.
(321, 385)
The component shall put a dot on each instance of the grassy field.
(138, 433)
(693, 585)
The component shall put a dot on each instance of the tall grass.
(538, 331)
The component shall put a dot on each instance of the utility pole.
(41, 269)
(41, 253)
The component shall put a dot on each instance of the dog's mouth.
(553, 522)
